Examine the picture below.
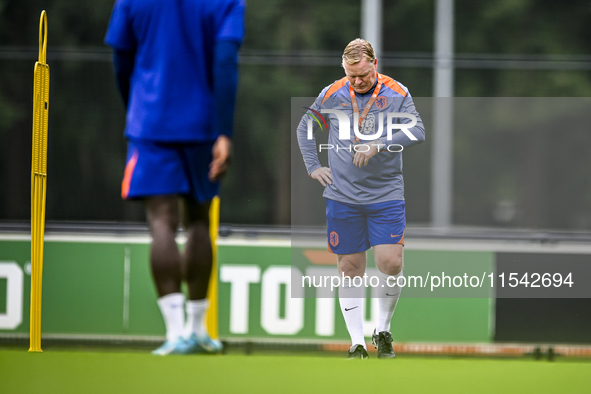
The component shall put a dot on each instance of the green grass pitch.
(62, 371)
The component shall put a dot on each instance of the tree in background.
(86, 121)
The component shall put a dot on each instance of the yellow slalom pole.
(38, 182)
(211, 319)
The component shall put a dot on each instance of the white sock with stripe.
(171, 307)
(351, 300)
(196, 317)
(388, 298)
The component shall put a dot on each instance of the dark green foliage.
(87, 148)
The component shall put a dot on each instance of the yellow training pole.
(212, 292)
(38, 182)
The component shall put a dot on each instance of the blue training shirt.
(171, 88)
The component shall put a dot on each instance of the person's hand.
(362, 156)
(222, 151)
(323, 175)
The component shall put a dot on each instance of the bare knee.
(352, 265)
(162, 214)
(195, 214)
(391, 266)
(389, 258)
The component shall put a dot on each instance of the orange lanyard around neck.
(376, 91)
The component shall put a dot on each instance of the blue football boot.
(205, 345)
(170, 347)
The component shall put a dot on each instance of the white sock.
(171, 306)
(388, 298)
(196, 317)
(351, 300)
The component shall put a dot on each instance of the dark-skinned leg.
(196, 263)
(165, 261)
(197, 255)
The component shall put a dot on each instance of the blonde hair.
(356, 49)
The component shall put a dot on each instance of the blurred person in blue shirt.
(176, 64)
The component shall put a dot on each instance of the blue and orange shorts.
(157, 168)
(354, 228)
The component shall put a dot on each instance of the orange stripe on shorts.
(401, 242)
(128, 174)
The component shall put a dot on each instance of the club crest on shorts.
(333, 239)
